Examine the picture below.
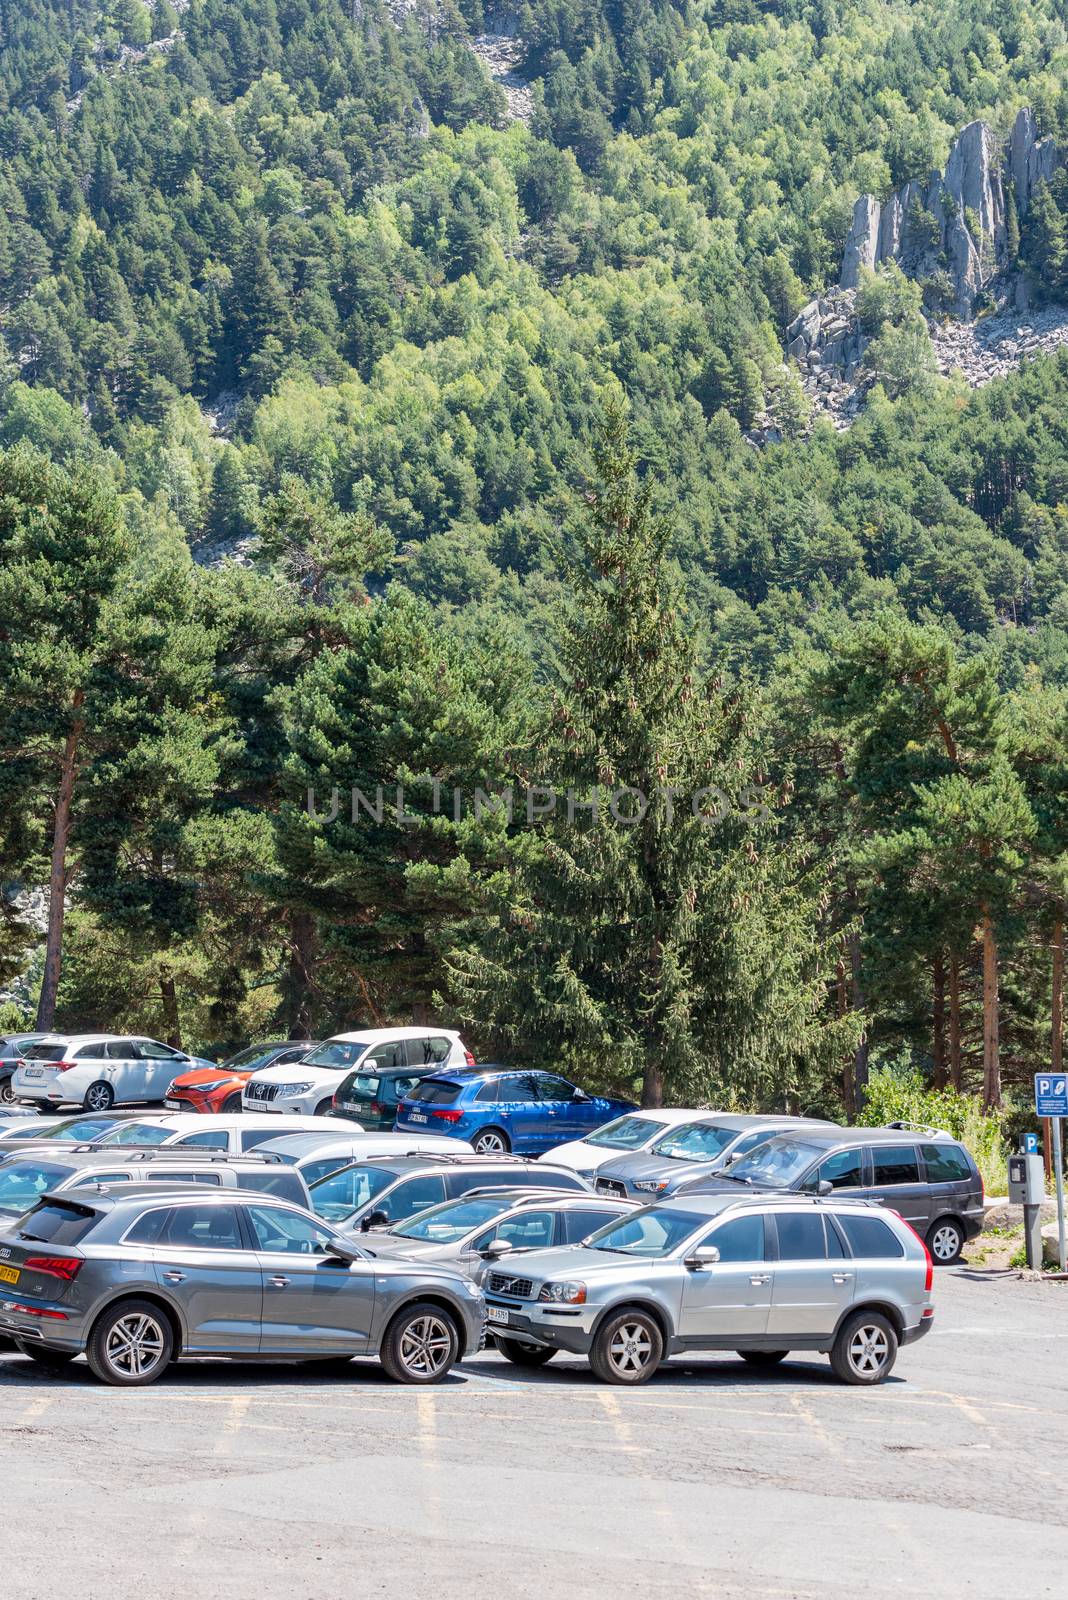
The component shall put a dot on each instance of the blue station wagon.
(499, 1109)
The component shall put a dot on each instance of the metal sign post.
(1051, 1100)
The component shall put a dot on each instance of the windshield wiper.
(732, 1177)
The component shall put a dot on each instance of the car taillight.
(65, 1267)
(65, 1066)
(447, 1116)
(928, 1282)
(469, 1058)
(375, 1108)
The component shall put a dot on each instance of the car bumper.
(973, 1222)
(561, 1327)
(41, 1322)
(918, 1331)
(44, 1093)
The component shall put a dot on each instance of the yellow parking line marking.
(815, 1426)
(36, 1408)
(429, 1449)
(238, 1407)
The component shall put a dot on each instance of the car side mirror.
(373, 1219)
(706, 1255)
(496, 1248)
(824, 1188)
(580, 1097)
(336, 1251)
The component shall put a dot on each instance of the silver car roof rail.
(174, 1152)
(917, 1127)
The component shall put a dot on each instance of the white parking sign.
(1051, 1094)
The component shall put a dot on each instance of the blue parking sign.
(1051, 1094)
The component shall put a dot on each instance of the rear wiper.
(34, 1238)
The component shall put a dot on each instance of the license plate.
(496, 1314)
(416, 1116)
(10, 1274)
(34, 1072)
(173, 1105)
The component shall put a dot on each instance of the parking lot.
(713, 1480)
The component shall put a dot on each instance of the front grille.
(261, 1091)
(611, 1186)
(518, 1288)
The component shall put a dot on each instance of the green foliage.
(897, 1092)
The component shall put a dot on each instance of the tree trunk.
(849, 1097)
(420, 1014)
(298, 978)
(991, 1059)
(860, 1055)
(652, 1087)
(57, 876)
(172, 1023)
(939, 1020)
(954, 1022)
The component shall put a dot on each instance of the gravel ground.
(712, 1481)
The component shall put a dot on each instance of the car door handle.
(174, 1277)
(842, 1277)
(278, 1281)
(760, 1277)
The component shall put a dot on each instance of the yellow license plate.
(10, 1274)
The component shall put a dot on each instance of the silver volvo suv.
(755, 1274)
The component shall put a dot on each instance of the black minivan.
(923, 1174)
(370, 1094)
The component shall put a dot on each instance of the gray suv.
(707, 1144)
(140, 1280)
(922, 1173)
(380, 1190)
(24, 1177)
(756, 1274)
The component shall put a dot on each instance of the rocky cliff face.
(958, 216)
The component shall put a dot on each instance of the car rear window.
(435, 1091)
(286, 1185)
(871, 1237)
(625, 1133)
(55, 1223)
(361, 1086)
(945, 1163)
(44, 1052)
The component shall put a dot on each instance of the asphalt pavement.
(711, 1481)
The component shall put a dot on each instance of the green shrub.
(899, 1094)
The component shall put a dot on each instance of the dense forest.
(354, 434)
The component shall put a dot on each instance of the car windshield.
(777, 1164)
(138, 1133)
(450, 1222)
(79, 1130)
(257, 1055)
(337, 1053)
(625, 1133)
(655, 1232)
(21, 1185)
(341, 1193)
(696, 1141)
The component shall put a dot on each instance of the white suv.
(97, 1070)
(307, 1087)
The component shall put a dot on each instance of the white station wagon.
(98, 1071)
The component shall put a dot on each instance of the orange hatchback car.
(214, 1089)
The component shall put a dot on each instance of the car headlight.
(294, 1088)
(569, 1294)
(202, 1088)
(651, 1185)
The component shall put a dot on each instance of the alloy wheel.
(490, 1144)
(135, 1345)
(7, 1098)
(98, 1097)
(945, 1243)
(869, 1349)
(631, 1348)
(425, 1346)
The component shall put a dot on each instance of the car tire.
(945, 1241)
(491, 1142)
(523, 1354)
(131, 1344)
(232, 1104)
(43, 1355)
(7, 1094)
(763, 1358)
(99, 1096)
(421, 1344)
(865, 1350)
(324, 1108)
(627, 1348)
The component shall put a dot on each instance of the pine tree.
(657, 924)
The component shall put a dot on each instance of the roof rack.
(447, 1157)
(525, 1195)
(917, 1127)
(174, 1152)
